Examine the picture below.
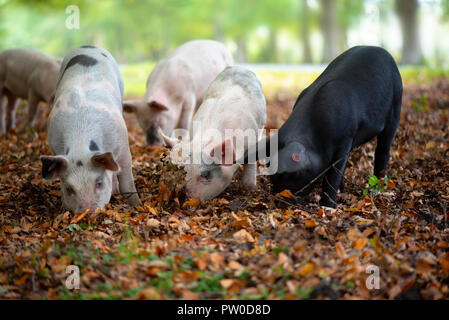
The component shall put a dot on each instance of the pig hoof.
(249, 184)
(135, 201)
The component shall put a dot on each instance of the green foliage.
(303, 292)
(376, 186)
(445, 7)
(420, 104)
(137, 30)
(208, 282)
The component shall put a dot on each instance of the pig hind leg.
(249, 176)
(384, 141)
(33, 102)
(11, 110)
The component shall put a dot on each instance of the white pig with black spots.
(87, 133)
(233, 111)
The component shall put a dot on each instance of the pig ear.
(52, 166)
(105, 160)
(224, 153)
(130, 106)
(168, 141)
(157, 106)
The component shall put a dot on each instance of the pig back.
(24, 68)
(203, 60)
(93, 65)
(88, 100)
(235, 93)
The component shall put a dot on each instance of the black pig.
(357, 98)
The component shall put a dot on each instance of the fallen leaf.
(306, 269)
(310, 223)
(79, 216)
(243, 236)
(286, 194)
(192, 203)
(360, 243)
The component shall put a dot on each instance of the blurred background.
(270, 35)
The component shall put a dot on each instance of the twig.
(318, 176)
(326, 170)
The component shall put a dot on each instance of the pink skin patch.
(296, 157)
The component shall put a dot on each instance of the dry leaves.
(241, 244)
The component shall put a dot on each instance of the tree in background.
(407, 11)
(305, 22)
(329, 29)
(336, 19)
(259, 30)
(349, 13)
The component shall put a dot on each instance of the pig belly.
(17, 86)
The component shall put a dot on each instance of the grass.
(274, 83)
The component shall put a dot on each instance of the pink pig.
(176, 86)
(27, 74)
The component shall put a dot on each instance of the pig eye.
(98, 184)
(206, 175)
(296, 157)
(70, 191)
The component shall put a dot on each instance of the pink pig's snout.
(86, 205)
(153, 138)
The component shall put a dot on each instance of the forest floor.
(244, 245)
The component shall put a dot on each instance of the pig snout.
(152, 137)
(84, 206)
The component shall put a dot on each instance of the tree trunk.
(305, 33)
(218, 31)
(329, 28)
(342, 38)
(272, 46)
(383, 14)
(241, 54)
(407, 11)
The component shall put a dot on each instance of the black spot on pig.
(88, 46)
(93, 146)
(104, 55)
(79, 163)
(82, 60)
(67, 151)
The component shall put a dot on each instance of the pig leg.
(342, 184)
(115, 187)
(33, 102)
(188, 109)
(11, 111)
(333, 180)
(126, 182)
(384, 140)
(249, 176)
